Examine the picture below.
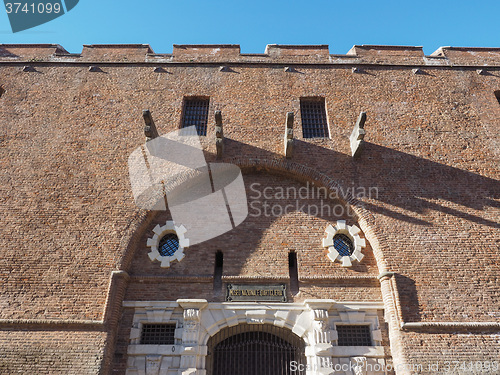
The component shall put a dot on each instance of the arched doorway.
(255, 349)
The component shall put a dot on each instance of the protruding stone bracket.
(356, 70)
(289, 135)
(482, 72)
(417, 71)
(219, 134)
(160, 69)
(150, 130)
(94, 68)
(357, 136)
(28, 68)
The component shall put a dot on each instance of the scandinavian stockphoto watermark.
(360, 365)
(207, 199)
(25, 14)
(275, 201)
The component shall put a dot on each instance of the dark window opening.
(158, 334)
(355, 335)
(1, 91)
(168, 245)
(343, 245)
(250, 349)
(497, 94)
(219, 262)
(196, 113)
(313, 114)
(293, 272)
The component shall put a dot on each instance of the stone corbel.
(357, 135)
(150, 130)
(219, 134)
(288, 141)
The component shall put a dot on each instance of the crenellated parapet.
(469, 55)
(274, 54)
(34, 52)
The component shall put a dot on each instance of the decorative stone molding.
(154, 243)
(191, 324)
(197, 320)
(322, 346)
(153, 363)
(352, 232)
(359, 365)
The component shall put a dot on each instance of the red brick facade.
(73, 243)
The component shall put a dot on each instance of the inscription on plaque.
(255, 293)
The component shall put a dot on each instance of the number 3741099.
(33, 8)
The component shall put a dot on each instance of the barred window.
(313, 113)
(343, 245)
(168, 245)
(354, 335)
(158, 334)
(196, 113)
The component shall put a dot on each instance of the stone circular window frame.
(352, 232)
(154, 243)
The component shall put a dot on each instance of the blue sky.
(253, 24)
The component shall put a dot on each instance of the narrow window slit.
(293, 272)
(219, 262)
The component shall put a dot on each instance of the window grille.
(196, 113)
(313, 113)
(249, 349)
(168, 245)
(343, 245)
(158, 334)
(355, 335)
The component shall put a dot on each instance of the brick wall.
(49, 352)
(68, 217)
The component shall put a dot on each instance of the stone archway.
(255, 349)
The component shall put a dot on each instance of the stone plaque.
(256, 293)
